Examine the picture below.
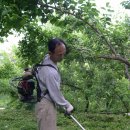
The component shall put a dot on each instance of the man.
(49, 79)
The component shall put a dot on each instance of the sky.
(9, 42)
(115, 4)
(119, 10)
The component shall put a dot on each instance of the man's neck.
(53, 60)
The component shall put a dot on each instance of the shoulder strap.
(35, 70)
(40, 65)
(38, 87)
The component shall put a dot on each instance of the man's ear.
(50, 53)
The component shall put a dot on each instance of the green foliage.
(8, 69)
(4, 86)
(15, 14)
(126, 4)
(33, 44)
(4, 100)
(89, 37)
(8, 65)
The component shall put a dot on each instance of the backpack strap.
(36, 72)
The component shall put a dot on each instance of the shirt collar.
(47, 60)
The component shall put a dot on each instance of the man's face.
(58, 53)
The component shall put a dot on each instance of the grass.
(24, 119)
(98, 122)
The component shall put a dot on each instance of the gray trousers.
(46, 115)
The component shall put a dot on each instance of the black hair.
(53, 42)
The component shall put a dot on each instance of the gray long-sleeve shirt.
(49, 78)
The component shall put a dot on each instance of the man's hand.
(69, 109)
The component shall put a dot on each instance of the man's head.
(57, 49)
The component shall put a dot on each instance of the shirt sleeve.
(53, 85)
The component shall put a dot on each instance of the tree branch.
(80, 18)
(127, 72)
(116, 57)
